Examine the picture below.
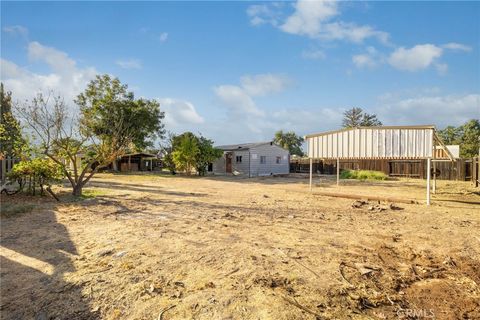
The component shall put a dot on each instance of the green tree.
(470, 140)
(466, 135)
(106, 104)
(356, 117)
(110, 122)
(370, 120)
(186, 151)
(451, 135)
(166, 150)
(207, 154)
(12, 142)
(290, 141)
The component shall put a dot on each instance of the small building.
(252, 160)
(136, 162)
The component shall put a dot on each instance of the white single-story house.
(252, 160)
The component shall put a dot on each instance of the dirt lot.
(161, 247)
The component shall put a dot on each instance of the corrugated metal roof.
(243, 146)
(381, 142)
(373, 127)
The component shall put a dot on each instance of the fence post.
(338, 171)
(475, 169)
(4, 169)
(310, 180)
(428, 181)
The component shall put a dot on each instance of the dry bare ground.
(161, 247)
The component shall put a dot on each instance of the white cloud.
(64, 77)
(314, 19)
(304, 121)
(351, 32)
(262, 84)
(457, 46)
(314, 54)
(416, 58)
(179, 112)
(243, 114)
(129, 64)
(440, 110)
(237, 100)
(265, 13)
(369, 59)
(309, 16)
(163, 36)
(57, 60)
(16, 30)
(363, 60)
(248, 121)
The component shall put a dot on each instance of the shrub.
(41, 172)
(363, 175)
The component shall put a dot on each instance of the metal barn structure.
(379, 143)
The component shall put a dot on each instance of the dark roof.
(140, 154)
(243, 146)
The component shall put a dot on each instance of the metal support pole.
(434, 190)
(338, 171)
(311, 165)
(428, 181)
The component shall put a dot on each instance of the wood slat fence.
(462, 169)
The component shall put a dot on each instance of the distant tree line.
(466, 135)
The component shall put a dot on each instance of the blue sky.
(239, 71)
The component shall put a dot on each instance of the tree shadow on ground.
(37, 252)
(141, 188)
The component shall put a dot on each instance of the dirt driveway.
(162, 247)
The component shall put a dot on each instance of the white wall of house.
(269, 160)
(260, 160)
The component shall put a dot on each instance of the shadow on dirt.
(36, 253)
(141, 188)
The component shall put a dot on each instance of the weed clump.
(363, 175)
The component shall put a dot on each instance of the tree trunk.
(77, 190)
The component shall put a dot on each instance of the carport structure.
(379, 143)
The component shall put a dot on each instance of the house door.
(228, 162)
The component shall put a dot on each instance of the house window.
(239, 159)
(278, 160)
(263, 159)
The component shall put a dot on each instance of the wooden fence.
(6, 165)
(462, 169)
